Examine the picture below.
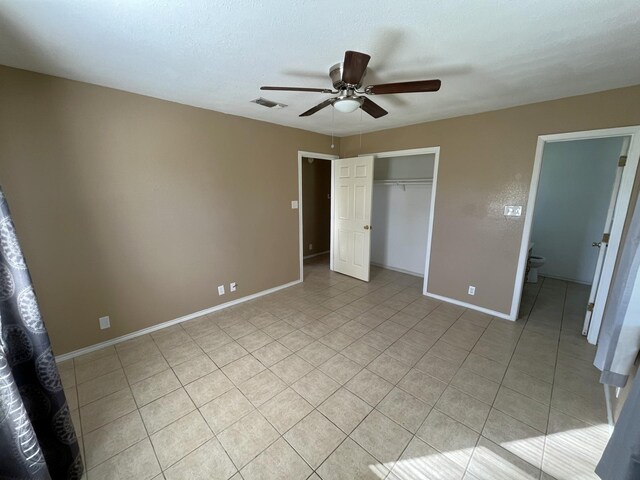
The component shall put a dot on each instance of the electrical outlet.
(472, 290)
(233, 286)
(221, 290)
(294, 204)
(311, 246)
(104, 323)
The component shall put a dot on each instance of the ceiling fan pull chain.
(333, 122)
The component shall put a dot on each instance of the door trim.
(319, 156)
(421, 151)
(624, 197)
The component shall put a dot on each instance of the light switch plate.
(294, 204)
(512, 210)
(221, 290)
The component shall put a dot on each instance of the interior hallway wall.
(138, 208)
(574, 191)
(316, 206)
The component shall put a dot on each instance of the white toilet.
(535, 262)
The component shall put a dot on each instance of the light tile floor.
(339, 379)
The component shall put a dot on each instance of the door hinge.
(590, 307)
(622, 162)
(605, 237)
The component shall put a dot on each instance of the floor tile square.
(345, 409)
(404, 409)
(420, 461)
(107, 409)
(180, 438)
(278, 461)
(208, 461)
(113, 438)
(208, 387)
(225, 410)
(243, 369)
(137, 462)
(351, 461)
(247, 438)
(102, 386)
(381, 437)
(316, 353)
(194, 369)
(296, 340)
(285, 410)
(423, 386)
(291, 369)
(315, 387)
(388, 368)
(340, 368)
(271, 354)
(360, 353)
(464, 408)
(314, 438)
(227, 353)
(160, 413)
(449, 436)
(154, 387)
(262, 387)
(254, 340)
(369, 387)
(475, 385)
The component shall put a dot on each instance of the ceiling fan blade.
(318, 107)
(404, 87)
(298, 89)
(354, 66)
(372, 108)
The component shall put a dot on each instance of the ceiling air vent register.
(268, 103)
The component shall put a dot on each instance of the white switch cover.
(512, 210)
(221, 290)
(472, 290)
(294, 204)
(233, 286)
(104, 323)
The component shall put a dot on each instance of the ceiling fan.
(347, 82)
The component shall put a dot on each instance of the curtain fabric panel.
(37, 437)
(619, 340)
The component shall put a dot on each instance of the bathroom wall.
(400, 217)
(575, 188)
(316, 206)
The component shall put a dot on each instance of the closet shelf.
(404, 182)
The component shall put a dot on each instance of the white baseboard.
(470, 306)
(316, 255)
(169, 323)
(395, 269)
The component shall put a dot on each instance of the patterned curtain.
(37, 438)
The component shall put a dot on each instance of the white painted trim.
(420, 151)
(395, 269)
(624, 196)
(468, 305)
(175, 321)
(319, 156)
(316, 254)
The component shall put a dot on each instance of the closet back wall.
(400, 215)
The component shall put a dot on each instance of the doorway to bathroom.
(580, 193)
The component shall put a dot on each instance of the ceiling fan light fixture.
(348, 104)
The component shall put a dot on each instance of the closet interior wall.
(400, 212)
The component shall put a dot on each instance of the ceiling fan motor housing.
(335, 73)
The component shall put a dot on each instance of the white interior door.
(353, 186)
(603, 244)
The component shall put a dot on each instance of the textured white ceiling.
(216, 54)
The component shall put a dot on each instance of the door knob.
(596, 244)
(368, 227)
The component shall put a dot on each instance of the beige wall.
(139, 208)
(316, 211)
(486, 162)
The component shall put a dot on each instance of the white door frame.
(319, 156)
(420, 151)
(622, 207)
